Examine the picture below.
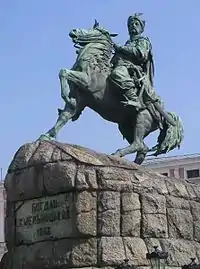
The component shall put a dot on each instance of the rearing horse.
(87, 84)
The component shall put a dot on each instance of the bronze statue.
(119, 88)
(133, 59)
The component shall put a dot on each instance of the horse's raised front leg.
(80, 79)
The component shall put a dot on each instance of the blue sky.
(34, 45)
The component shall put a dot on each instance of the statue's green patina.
(132, 60)
(119, 88)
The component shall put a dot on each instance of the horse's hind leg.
(64, 116)
(141, 154)
(80, 79)
(72, 109)
(142, 127)
(136, 146)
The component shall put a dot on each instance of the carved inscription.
(43, 218)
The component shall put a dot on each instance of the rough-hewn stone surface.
(114, 209)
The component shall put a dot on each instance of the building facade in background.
(183, 166)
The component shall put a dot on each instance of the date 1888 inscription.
(43, 218)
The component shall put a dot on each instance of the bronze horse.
(87, 84)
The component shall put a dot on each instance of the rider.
(134, 56)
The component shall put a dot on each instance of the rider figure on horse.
(133, 65)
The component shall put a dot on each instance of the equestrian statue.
(117, 82)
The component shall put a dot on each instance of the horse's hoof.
(60, 111)
(45, 137)
(116, 154)
(62, 73)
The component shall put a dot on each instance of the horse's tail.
(170, 136)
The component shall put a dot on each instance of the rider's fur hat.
(136, 16)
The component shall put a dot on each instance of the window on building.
(165, 174)
(171, 172)
(193, 173)
(181, 172)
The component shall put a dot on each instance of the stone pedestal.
(70, 207)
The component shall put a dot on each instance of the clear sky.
(34, 45)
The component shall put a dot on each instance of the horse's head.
(96, 34)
